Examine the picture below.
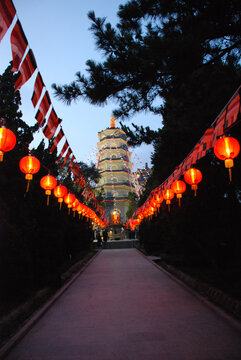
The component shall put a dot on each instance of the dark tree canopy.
(37, 242)
(10, 102)
(177, 59)
(90, 172)
(154, 45)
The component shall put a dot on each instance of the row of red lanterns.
(30, 165)
(226, 149)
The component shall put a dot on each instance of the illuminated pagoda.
(115, 169)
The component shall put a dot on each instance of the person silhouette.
(105, 235)
(99, 240)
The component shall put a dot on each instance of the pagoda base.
(116, 232)
(121, 244)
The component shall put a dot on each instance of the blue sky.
(57, 31)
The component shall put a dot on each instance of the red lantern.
(193, 177)
(59, 192)
(227, 148)
(158, 199)
(29, 165)
(7, 141)
(75, 206)
(79, 209)
(69, 199)
(179, 187)
(48, 183)
(168, 196)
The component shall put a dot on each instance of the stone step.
(121, 244)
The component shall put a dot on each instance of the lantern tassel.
(47, 200)
(179, 202)
(169, 208)
(230, 174)
(27, 189)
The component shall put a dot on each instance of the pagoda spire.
(112, 122)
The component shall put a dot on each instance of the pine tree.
(10, 102)
(154, 45)
(177, 59)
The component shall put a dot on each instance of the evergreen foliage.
(155, 45)
(37, 242)
(132, 197)
(181, 61)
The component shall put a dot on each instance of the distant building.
(115, 169)
(140, 177)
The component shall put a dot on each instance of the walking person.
(99, 240)
(105, 235)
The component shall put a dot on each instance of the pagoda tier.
(115, 168)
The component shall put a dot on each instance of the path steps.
(121, 244)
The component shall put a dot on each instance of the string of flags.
(25, 64)
(225, 148)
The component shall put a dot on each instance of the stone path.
(122, 307)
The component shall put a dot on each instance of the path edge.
(214, 307)
(16, 338)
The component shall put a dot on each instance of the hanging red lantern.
(48, 183)
(75, 206)
(79, 209)
(179, 187)
(69, 199)
(59, 192)
(227, 148)
(168, 196)
(193, 177)
(29, 165)
(7, 141)
(158, 199)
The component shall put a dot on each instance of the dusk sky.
(57, 31)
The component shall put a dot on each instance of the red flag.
(71, 164)
(26, 70)
(56, 141)
(38, 87)
(232, 112)
(85, 193)
(170, 180)
(64, 148)
(39, 117)
(206, 142)
(82, 181)
(69, 152)
(194, 156)
(186, 163)
(218, 127)
(7, 12)
(91, 194)
(45, 104)
(43, 108)
(52, 124)
(19, 44)
(177, 173)
(76, 172)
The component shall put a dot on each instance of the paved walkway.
(124, 308)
